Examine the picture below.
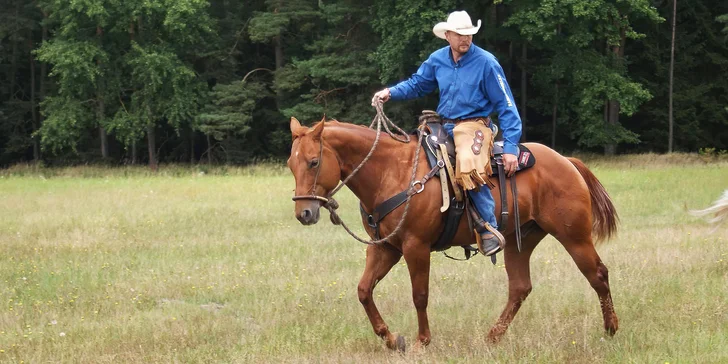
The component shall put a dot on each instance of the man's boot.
(490, 241)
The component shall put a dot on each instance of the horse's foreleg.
(380, 259)
(519, 279)
(417, 257)
(587, 259)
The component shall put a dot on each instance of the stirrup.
(495, 234)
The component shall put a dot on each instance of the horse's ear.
(296, 129)
(317, 131)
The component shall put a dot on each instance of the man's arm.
(499, 93)
(420, 84)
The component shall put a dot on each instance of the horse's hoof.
(419, 347)
(397, 343)
(494, 337)
(612, 326)
(401, 345)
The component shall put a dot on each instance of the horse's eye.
(313, 163)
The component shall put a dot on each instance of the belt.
(480, 119)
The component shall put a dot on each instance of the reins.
(331, 205)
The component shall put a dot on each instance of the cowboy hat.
(458, 22)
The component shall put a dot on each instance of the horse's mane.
(719, 209)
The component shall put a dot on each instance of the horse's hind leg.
(587, 259)
(519, 279)
(380, 259)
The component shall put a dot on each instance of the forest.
(196, 81)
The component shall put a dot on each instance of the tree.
(19, 81)
(672, 68)
(79, 60)
(88, 80)
(584, 42)
(699, 90)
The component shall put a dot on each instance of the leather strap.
(452, 221)
(386, 207)
(516, 215)
(503, 223)
(484, 120)
(469, 253)
(451, 173)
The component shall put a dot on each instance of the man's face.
(459, 43)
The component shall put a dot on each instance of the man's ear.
(296, 129)
(318, 131)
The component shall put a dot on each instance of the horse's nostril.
(306, 214)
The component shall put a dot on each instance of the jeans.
(483, 199)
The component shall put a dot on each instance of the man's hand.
(381, 97)
(510, 164)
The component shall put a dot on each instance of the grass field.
(187, 265)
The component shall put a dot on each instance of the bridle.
(331, 205)
(313, 195)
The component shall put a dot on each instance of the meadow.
(198, 264)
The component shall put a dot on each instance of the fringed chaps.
(473, 148)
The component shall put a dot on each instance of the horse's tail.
(604, 214)
(719, 209)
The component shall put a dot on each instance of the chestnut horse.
(557, 196)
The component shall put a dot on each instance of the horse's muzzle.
(308, 215)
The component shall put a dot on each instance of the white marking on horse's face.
(296, 153)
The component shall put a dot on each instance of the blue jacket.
(474, 86)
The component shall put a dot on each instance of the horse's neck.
(381, 175)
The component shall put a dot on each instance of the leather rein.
(414, 188)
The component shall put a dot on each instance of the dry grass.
(116, 265)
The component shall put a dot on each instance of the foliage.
(230, 111)
(232, 73)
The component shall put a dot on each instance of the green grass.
(190, 265)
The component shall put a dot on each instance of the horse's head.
(315, 168)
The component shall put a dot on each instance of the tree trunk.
(14, 55)
(152, 146)
(209, 150)
(509, 69)
(553, 115)
(134, 157)
(670, 119)
(33, 106)
(192, 146)
(43, 77)
(279, 52)
(524, 86)
(555, 108)
(102, 135)
(100, 106)
(134, 151)
(613, 105)
(493, 21)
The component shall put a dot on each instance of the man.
(472, 86)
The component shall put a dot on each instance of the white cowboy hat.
(458, 22)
